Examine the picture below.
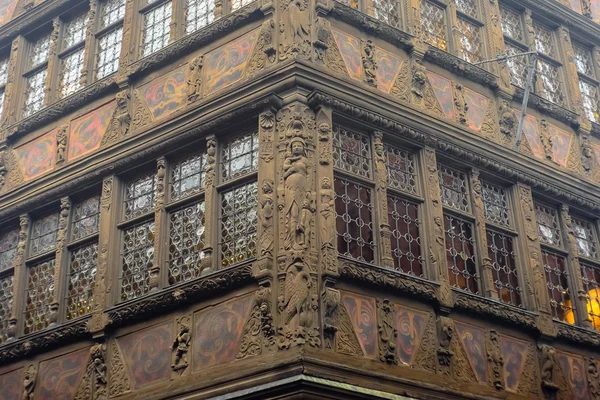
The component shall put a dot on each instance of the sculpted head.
(297, 146)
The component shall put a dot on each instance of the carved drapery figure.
(460, 104)
(418, 82)
(265, 217)
(295, 170)
(61, 144)
(295, 30)
(327, 214)
(29, 382)
(508, 120)
(445, 332)
(547, 364)
(122, 119)
(180, 347)
(195, 78)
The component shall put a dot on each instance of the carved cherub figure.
(180, 346)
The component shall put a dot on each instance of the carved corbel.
(369, 63)
(61, 144)
(495, 360)
(194, 89)
(29, 378)
(387, 331)
(445, 333)
(181, 345)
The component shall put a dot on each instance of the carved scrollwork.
(402, 87)
(119, 380)
(141, 114)
(259, 332)
(264, 51)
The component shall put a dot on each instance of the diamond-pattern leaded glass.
(39, 51)
(75, 31)
(460, 254)
(43, 235)
(585, 238)
(157, 30)
(86, 217)
(239, 156)
(112, 11)
(109, 51)
(351, 152)
(198, 14)
(401, 169)
(6, 296)
(583, 60)
(70, 74)
(387, 11)
(548, 225)
(495, 204)
(590, 277)
(557, 281)
(8, 248)
(589, 94)
(1, 102)
(139, 196)
(550, 77)
(504, 269)
(138, 259)
(453, 186)
(470, 41)
(34, 92)
(186, 243)
(187, 176)
(512, 24)
(354, 220)
(434, 25)
(469, 7)
(516, 65)
(3, 71)
(237, 4)
(40, 288)
(403, 217)
(238, 224)
(82, 276)
(544, 42)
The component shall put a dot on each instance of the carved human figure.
(586, 154)
(180, 346)
(29, 383)
(61, 145)
(296, 27)
(327, 213)
(369, 63)
(547, 363)
(295, 307)
(593, 378)
(295, 171)
(3, 170)
(419, 79)
(266, 218)
(97, 355)
(195, 79)
(122, 118)
(508, 119)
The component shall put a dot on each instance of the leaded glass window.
(403, 218)
(112, 11)
(548, 225)
(504, 270)
(585, 238)
(3, 79)
(71, 70)
(434, 25)
(557, 281)
(198, 14)
(590, 276)
(43, 235)
(350, 3)
(34, 92)
(238, 221)
(388, 11)
(186, 242)
(460, 254)
(512, 24)
(237, 4)
(139, 196)
(157, 31)
(544, 41)
(495, 204)
(138, 260)
(82, 277)
(8, 248)
(468, 7)
(549, 75)
(516, 65)
(75, 31)
(6, 299)
(354, 220)
(589, 94)
(108, 53)
(187, 176)
(39, 295)
(86, 217)
(470, 41)
(401, 169)
(453, 186)
(583, 60)
(239, 156)
(351, 152)
(39, 51)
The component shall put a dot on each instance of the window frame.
(101, 31)
(10, 272)
(143, 8)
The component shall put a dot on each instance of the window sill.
(577, 334)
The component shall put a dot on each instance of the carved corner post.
(572, 84)
(533, 270)
(438, 267)
(453, 46)
(160, 224)
(18, 275)
(210, 205)
(487, 275)
(578, 295)
(13, 83)
(89, 55)
(381, 200)
(128, 43)
(297, 271)
(61, 260)
(106, 243)
(53, 63)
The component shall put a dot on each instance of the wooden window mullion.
(60, 264)
(53, 63)
(380, 211)
(211, 205)
(15, 324)
(160, 222)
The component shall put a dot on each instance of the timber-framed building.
(299, 199)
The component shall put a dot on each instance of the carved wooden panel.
(362, 313)
(87, 131)
(58, 379)
(11, 384)
(38, 156)
(350, 49)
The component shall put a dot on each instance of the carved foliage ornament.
(259, 332)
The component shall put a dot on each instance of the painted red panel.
(363, 314)
(218, 330)
(411, 325)
(147, 354)
(442, 87)
(87, 131)
(350, 49)
(38, 156)
(561, 144)
(514, 354)
(166, 94)
(7, 8)
(595, 10)
(11, 385)
(58, 379)
(574, 369)
(531, 133)
(478, 105)
(388, 67)
(575, 5)
(473, 341)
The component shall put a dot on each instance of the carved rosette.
(259, 332)
(159, 223)
(445, 334)
(194, 84)
(388, 334)
(61, 255)
(209, 203)
(495, 360)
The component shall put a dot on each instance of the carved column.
(18, 274)
(128, 46)
(438, 267)
(11, 94)
(453, 41)
(578, 295)
(381, 199)
(176, 12)
(414, 22)
(53, 63)
(572, 84)
(89, 55)
(160, 223)
(533, 270)
(61, 259)
(487, 276)
(210, 204)
(106, 250)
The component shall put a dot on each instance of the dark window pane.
(504, 270)
(406, 243)
(460, 245)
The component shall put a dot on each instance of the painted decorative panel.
(147, 354)
(531, 133)
(38, 156)
(561, 144)
(514, 354)
(411, 325)
(166, 94)
(478, 105)
(575, 5)
(473, 342)
(362, 313)
(442, 87)
(350, 49)
(7, 8)
(217, 332)
(58, 379)
(596, 148)
(87, 131)
(225, 65)
(388, 67)
(12, 385)
(573, 368)
(595, 10)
